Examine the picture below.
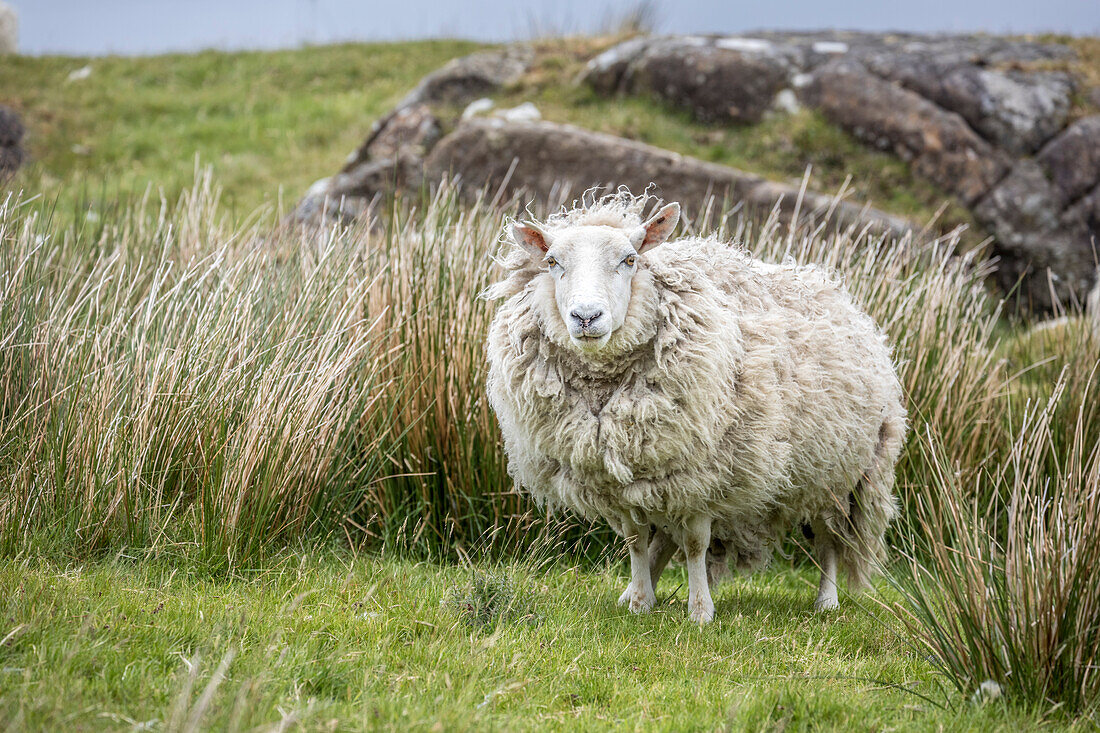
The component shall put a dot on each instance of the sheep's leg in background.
(639, 594)
(826, 590)
(696, 543)
(661, 550)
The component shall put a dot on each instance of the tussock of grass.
(1000, 580)
(490, 598)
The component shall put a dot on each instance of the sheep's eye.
(551, 262)
(630, 260)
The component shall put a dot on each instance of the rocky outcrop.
(11, 137)
(982, 117)
(967, 112)
(1013, 110)
(555, 162)
(1072, 160)
(1044, 251)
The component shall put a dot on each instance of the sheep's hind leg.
(661, 550)
(639, 594)
(696, 543)
(827, 599)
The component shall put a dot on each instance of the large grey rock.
(11, 137)
(939, 144)
(9, 29)
(716, 84)
(549, 160)
(389, 159)
(605, 72)
(465, 79)
(348, 194)
(1016, 111)
(407, 131)
(1072, 160)
(717, 79)
(1045, 252)
(11, 127)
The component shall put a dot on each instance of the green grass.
(269, 123)
(337, 642)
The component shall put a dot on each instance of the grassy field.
(226, 444)
(268, 123)
(330, 641)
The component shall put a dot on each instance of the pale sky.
(157, 26)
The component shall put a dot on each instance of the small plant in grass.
(491, 598)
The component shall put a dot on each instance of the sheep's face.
(592, 268)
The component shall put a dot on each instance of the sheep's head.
(592, 268)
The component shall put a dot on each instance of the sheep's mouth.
(590, 341)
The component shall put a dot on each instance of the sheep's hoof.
(701, 612)
(824, 604)
(639, 602)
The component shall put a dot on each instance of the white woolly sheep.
(694, 397)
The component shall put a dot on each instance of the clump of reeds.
(1004, 587)
(166, 382)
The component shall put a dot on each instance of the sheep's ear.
(531, 238)
(658, 228)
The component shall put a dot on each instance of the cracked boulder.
(553, 161)
(1072, 160)
(1015, 111)
(471, 77)
(937, 143)
(1044, 251)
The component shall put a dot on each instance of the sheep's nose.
(586, 316)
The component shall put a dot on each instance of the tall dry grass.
(1005, 588)
(165, 381)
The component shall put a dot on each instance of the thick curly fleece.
(756, 395)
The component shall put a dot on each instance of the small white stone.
(830, 47)
(786, 101)
(988, 690)
(525, 112)
(82, 73)
(319, 188)
(801, 80)
(477, 107)
(750, 45)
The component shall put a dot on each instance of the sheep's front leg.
(696, 542)
(639, 594)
